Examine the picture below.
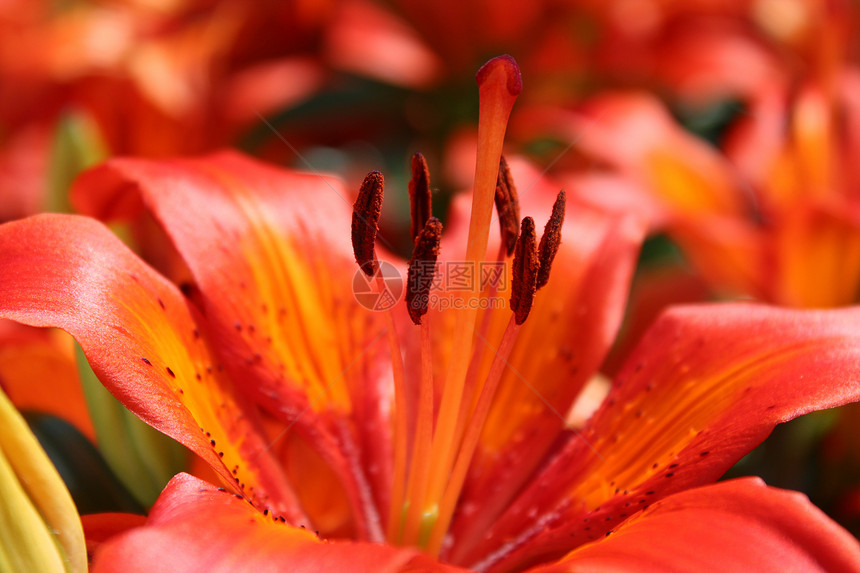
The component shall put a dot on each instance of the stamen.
(507, 207)
(418, 476)
(525, 271)
(365, 221)
(551, 239)
(365, 224)
(419, 195)
(421, 269)
(472, 436)
(499, 84)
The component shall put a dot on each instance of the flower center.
(431, 462)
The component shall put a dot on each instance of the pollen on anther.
(507, 207)
(365, 221)
(420, 200)
(525, 272)
(551, 239)
(422, 267)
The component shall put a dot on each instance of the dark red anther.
(365, 221)
(422, 269)
(551, 238)
(507, 207)
(419, 196)
(526, 267)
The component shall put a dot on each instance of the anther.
(526, 266)
(551, 239)
(507, 207)
(419, 196)
(365, 221)
(422, 267)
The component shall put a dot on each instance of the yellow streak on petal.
(307, 343)
(645, 434)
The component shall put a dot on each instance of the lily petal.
(634, 133)
(739, 525)
(270, 253)
(196, 527)
(706, 385)
(141, 339)
(29, 358)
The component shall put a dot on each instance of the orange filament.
(418, 475)
(470, 440)
(400, 426)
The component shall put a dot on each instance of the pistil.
(499, 84)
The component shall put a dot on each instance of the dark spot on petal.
(161, 303)
(169, 371)
(146, 361)
(705, 453)
(670, 474)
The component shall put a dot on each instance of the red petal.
(194, 527)
(705, 387)
(140, 338)
(270, 252)
(100, 527)
(739, 525)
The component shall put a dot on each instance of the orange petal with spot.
(194, 527)
(141, 339)
(739, 525)
(706, 386)
(270, 253)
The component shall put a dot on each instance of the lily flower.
(347, 437)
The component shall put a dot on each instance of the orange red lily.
(272, 367)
